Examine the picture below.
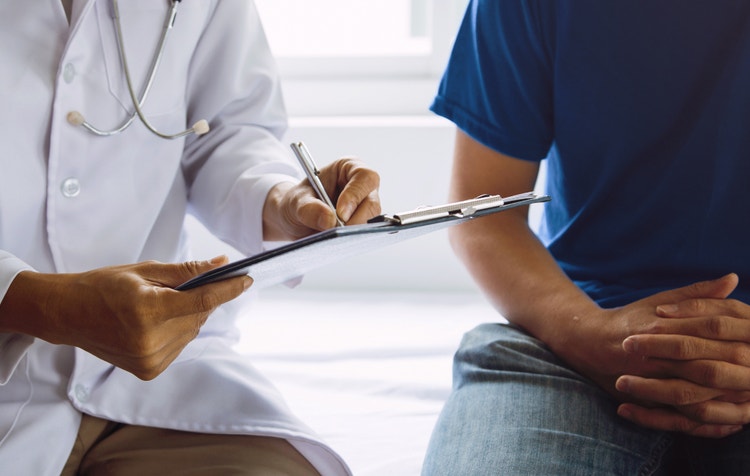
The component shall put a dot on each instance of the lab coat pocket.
(142, 28)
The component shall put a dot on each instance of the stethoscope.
(77, 119)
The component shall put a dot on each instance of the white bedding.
(369, 372)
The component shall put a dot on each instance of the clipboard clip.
(463, 208)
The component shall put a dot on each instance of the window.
(373, 57)
(336, 28)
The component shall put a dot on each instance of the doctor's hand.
(293, 211)
(129, 316)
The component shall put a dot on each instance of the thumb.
(175, 274)
(194, 268)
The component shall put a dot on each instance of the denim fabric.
(516, 409)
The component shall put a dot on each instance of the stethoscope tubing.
(76, 118)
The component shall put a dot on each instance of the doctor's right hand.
(129, 316)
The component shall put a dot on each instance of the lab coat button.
(69, 73)
(71, 187)
(82, 393)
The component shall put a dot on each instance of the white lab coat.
(71, 201)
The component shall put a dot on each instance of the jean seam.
(657, 456)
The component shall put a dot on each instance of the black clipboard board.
(298, 257)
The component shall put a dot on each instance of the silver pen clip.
(312, 172)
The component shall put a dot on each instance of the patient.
(628, 345)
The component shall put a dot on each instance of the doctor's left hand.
(293, 211)
(129, 316)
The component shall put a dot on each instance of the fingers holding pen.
(354, 189)
(359, 200)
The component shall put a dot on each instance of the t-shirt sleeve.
(497, 86)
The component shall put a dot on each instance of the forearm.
(520, 277)
(515, 270)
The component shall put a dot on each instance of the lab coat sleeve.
(12, 346)
(235, 86)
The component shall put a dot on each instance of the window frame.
(372, 85)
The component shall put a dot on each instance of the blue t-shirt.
(642, 108)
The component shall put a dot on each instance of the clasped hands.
(683, 360)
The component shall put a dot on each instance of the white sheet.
(369, 372)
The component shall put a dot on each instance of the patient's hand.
(702, 346)
(595, 349)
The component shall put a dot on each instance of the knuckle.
(700, 412)
(191, 267)
(740, 354)
(150, 372)
(656, 327)
(717, 326)
(149, 367)
(686, 349)
(364, 174)
(710, 375)
(736, 307)
(696, 306)
(684, 396)
(207, 301)
(684, 425)
(145, 347)
(146, 374)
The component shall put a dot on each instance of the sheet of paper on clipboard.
(298, 257)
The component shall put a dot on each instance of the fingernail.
(346, 212)
(247, 282)
(667, 308)
(218, 259)
(622, 384)
(624, 411)
(325, 222)
(630, 345)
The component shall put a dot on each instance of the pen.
(312, 172)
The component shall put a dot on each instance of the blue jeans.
(516, 409)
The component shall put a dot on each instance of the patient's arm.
(526, 285)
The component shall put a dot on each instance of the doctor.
(104, 368)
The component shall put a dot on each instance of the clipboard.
(298, 257)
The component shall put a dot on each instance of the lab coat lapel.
(80, 9)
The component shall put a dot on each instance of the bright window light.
(344, 28)
(360, 57)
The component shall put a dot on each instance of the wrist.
(27, 307)
(273, 212)
(565, 329)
